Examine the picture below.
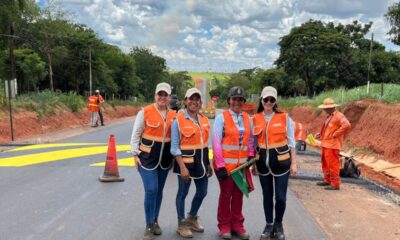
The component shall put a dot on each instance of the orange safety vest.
(276, 130)
(192, 136)
(155, 128)
(234, 154)
(92, 104)
(300, 132)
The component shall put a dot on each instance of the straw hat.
(328, 103)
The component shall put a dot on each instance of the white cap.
(192, 91)
(97, 90)
(269, 92)
(163, 87)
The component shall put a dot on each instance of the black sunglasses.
(162, 94)
(269, 99)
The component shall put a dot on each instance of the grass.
(222, 77)
(343, 96)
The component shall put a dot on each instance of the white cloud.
(228, 35)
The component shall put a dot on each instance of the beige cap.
(269, 92)
(97, 91)
(192, 91)
(328, 103)
(163, 87)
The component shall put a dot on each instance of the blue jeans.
(153, 182)
(281, 185)
(183, 189)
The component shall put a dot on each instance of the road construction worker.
(274, 131)
(332, 136)
(150, 146)
(174, 103)
(300, 136)
(189, 145)
(100, 101)
(93, 107)
(233, 145)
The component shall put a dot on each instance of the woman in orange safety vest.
(233, 146)
(189, 145)
(274, 131)
(150, 146)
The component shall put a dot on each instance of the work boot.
(156, 228)
(148, 232)
(322, 183)
(193, 223)
(268, 232)
(184, 230)
(278, 231)
(330, 187)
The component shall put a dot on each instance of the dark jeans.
(281, 185)
(153, 182)
(101, 117)
(183, 189)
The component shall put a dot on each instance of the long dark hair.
(275, 108)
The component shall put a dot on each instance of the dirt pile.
(27, 124)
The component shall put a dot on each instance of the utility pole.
(369, 59)
(13, 75)
(90, 71)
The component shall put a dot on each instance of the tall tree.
(393, 16)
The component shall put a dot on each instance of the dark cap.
(237, 92)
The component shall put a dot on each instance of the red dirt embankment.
(375, 130)
(27, 124)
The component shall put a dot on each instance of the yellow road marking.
(30, 159)
(52, 145)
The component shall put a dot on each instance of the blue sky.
(217, 36)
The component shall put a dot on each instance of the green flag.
(240, 178)
(241, 182)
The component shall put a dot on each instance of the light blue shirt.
(176, 135)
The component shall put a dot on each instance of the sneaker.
(156, 229)
(102, 124)
(225, 235)
(194, 224)
(268, 232)
(330, 187)
(148, 234)
(323, 184)
(184, 230)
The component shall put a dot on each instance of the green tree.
(393, 16)
(151, 69)
(31, 69)
(180, 82)
(310, 50)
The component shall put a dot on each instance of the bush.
(72, 101)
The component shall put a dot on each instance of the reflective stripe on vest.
(234, 154)
(300, 132)
(192, 136)
(276, 130)
(92, 103)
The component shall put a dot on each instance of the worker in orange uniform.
(93, 107)
(150, 146)
(189, 145)
(300, 136)
(233, 145)
(100, 101)
(331, 136)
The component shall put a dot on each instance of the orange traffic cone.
(111, 169)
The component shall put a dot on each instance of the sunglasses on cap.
(269, 99)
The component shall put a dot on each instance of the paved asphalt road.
(63, 200)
